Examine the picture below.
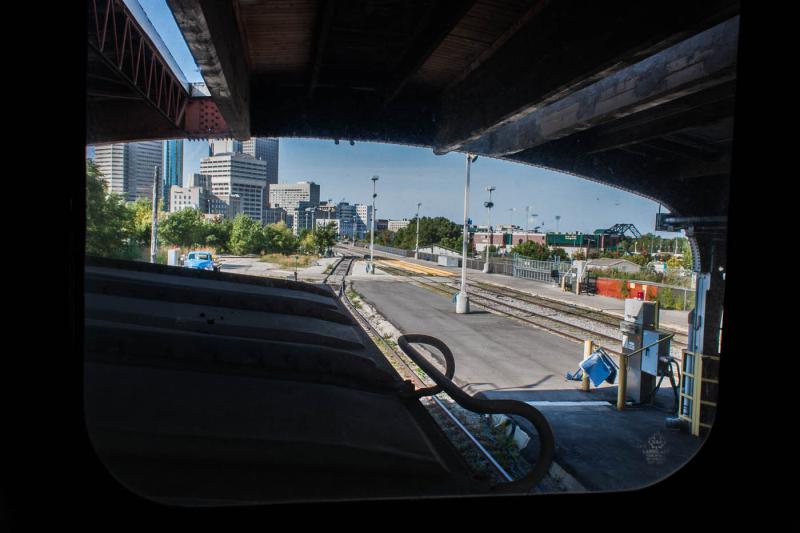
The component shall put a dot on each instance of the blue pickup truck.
(200, 261)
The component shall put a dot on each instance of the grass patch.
(288, 261)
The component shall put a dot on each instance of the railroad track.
(436, 403)
(562, 307)
(552, 325)
(492, 298)
(340, 271)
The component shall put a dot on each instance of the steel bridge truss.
(117, 38)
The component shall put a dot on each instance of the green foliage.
(247, 236)
(324, 238)
(141, 221)
(639, 259)
(437, 230)
(540, 252)
(218, 234)
(108, 221)
(306, 243)
(579, 256)
(384, 237)
(278, 238)
(185, 228)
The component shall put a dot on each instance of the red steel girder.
(116, 37)
(204, 121)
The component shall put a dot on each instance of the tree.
(107, 219)
(218, 234)
(324, 238)
(306, 243)
(437, 230)
(247, 236)
(278, 238)
(383, 237)
(540, 252)
(141, 220)
(183, 228)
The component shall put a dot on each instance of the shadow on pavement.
(605, 449)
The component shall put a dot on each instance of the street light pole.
(154, 227)
(462, 300)
(372, 229)
(488, 204)
(416, 253)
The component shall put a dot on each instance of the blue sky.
(409, 175)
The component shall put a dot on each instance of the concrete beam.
(566, 47)
(212, 35)
(696, 64)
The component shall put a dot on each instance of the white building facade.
(128, 168)
(235, 174)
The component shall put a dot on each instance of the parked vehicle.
(201, 261)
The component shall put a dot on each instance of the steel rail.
(589, 314)
(443, 287)
(370, 328)
(507, 407)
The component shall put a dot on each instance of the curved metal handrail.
(449, 362)
(508, 407)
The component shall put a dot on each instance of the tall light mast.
(462, 300)
(372, 229)
(416, 253)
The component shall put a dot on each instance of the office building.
(273, 215)
(128, 168)
(173, 169)
(395, 225)
(235, 174)
(363, 220)
(259, 148)
(188, 197)
(289, 195)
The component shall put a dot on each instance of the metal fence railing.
(539, 270)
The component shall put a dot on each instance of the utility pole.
(558, 217)
(489, 205)
(462, 300)
(511, 218)
(416, 253)
(154, 226)
(372, 229)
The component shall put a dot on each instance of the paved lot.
(253, 266)
(496, 357)
(491, 352)
(674, 319)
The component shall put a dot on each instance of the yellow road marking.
(413, 267)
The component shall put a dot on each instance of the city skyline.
(410, 175)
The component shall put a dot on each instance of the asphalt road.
(491, 352)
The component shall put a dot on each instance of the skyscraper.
(173, 169)
(236, 174)
(127, 168)
(260, 148)
(224, 146)
(265, 150)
